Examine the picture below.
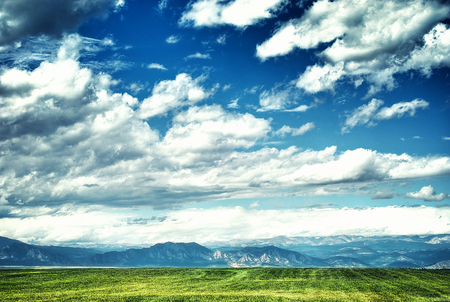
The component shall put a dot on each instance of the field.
(227, 284)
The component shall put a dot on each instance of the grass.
(225, 284)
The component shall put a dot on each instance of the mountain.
(439, 265)
(162, 254)
(340, 261)
(14, 252)
(268, 256)
(335, 251)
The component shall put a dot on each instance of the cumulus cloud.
(320, 78)
(172, 94)
(239, 13)
(371, 113)
(427, 193)
(203, 133)
(370, 40)
(156, 66)
(67, 138)
(23, 18)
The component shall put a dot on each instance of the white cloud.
(254, 205)
(283, 131)
(239, 13)
(173, 39)
(274, 100)
(77, 141)
(172, 94)
(294, 131)
(94, 226)
(203, 133)
(233, 104)
(371, 41)
(162, 4)
(399, 109)
(280, 98)
(320, 78)
(156, 66)
(303, 129)
(446, 138)
(427, 193)
(433, 54)
(198, 56)
(371, 113)
(222, 39)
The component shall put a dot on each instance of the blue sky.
(137, 122)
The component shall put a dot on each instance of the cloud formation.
(171, 94)
(369, 40)
(198, 55)
(239, 13)
(371, 113)
(173, 39)
(295, 131)
(92, 226)
(67, 138)
(156, 66)
(282, 98)
(23, 18)
(427, 193)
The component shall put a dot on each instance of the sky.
(134, 122)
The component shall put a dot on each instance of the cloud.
(371, 113)
(222, 39)
(156, 66)
(172, 94)
(280, 98)
(198, 56)
(303, 129)
(173, 39)
(162, 4)
(93, 226)
(67, 138)
(384, 194)
(24, 18)
(204, 133)
(320, 78)
(239, 13)
(233, 104)
(294, 131)
(369, 41)
(427, 193)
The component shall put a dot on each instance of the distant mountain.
(162, 254)
(14, 252)
(267, 256)
(440, 265)
(335, 251)
(340, 261)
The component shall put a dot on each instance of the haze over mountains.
(431, 251)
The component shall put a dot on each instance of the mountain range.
(333, 251)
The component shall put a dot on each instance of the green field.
(227, 284)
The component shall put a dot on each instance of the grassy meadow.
(224, 284)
